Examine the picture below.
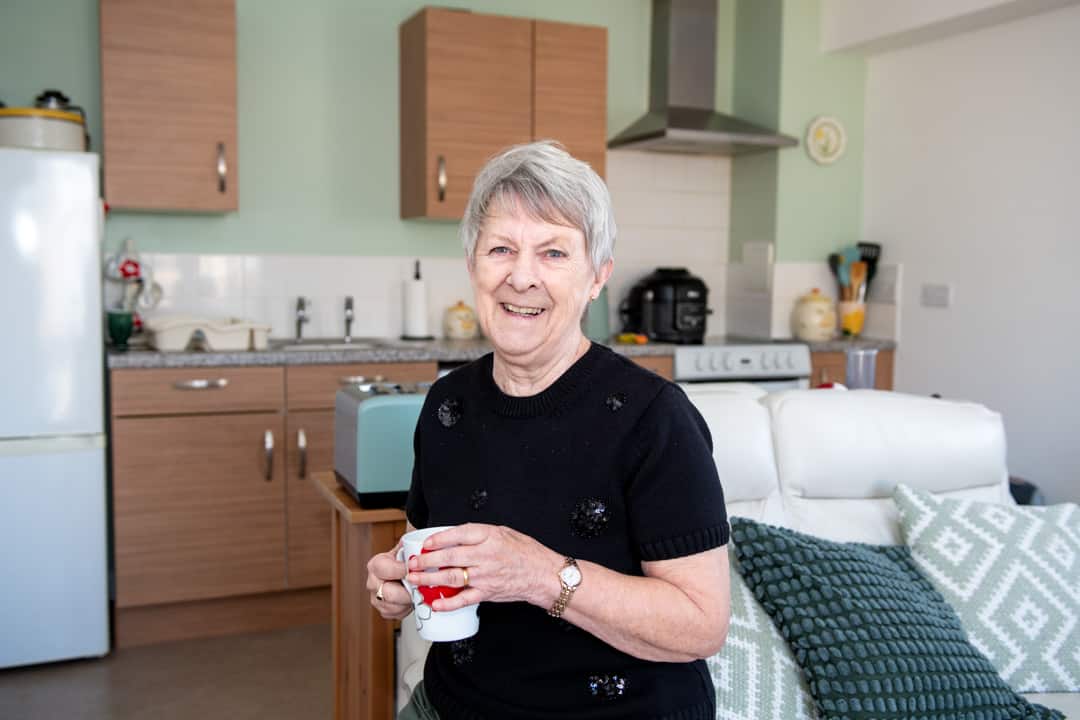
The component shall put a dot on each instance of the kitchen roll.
(416, 313)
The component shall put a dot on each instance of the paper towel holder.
(415, 307)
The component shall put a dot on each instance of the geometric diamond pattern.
(755, 674)
(1013, 576)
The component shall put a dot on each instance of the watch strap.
(563, 600)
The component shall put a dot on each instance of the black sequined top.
(610, 464)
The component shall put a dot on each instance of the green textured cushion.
(755, 673)
(874, 639)
(1013, 576)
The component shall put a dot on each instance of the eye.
(553, 253)
(499, 250)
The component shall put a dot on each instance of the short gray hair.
(548, 184)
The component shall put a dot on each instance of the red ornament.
(129, 269)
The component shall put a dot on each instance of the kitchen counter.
(383, 351)
(842, 344)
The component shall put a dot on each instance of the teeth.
(522, 310)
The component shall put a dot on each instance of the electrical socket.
(936, 295)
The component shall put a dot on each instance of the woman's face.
(532, 281)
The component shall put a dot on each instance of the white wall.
(880, 25)
(972, 172)
(671, 210)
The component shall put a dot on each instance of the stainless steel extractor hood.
(682, 117)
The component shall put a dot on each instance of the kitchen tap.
(348, 318)
(302, 316)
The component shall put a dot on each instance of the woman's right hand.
(385, 572)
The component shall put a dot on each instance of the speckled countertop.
(370, 351)
(397, 351)
(842, 344)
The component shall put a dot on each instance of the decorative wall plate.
(825, 140)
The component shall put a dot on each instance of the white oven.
(729, 365)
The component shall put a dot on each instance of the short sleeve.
(674, 499)
(416, 507)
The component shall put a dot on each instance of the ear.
(602, 276)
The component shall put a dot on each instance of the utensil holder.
(852, 317)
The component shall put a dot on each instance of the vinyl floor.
(284, 674)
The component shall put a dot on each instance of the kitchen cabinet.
(662, 365)
(218, 525)
(310, 400)
(198, 487)
(472, 84)
(168, 85)
(832, 367)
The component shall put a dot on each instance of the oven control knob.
(729, 362)
(790, 362)
(714, 362)
(699, 362)
(765, 360)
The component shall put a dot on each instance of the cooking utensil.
(858, 281)
(870, 253)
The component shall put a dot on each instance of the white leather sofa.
(825, 462)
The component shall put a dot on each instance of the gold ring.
(378, 593)
(465, 572)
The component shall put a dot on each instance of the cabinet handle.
(202, 384)
(441, 180)
(359, 379)
(222, 167)
(301, 443)
(268, 446)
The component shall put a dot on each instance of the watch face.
(570, 575)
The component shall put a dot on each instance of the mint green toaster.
(373, 441)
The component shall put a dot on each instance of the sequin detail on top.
(462, 652)
(450, 412)
(615, 401)
(478, 499)
(607, 687)
(589, 518)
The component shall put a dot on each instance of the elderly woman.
(589, 518)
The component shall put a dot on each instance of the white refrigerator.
(53, 544)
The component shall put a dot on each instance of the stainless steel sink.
(315, 344)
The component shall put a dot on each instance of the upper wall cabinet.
(472, 84)
(168, 81)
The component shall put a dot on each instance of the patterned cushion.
(1013, 576)
(872, 635)
(755, 675)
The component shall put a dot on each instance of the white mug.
(435, 626)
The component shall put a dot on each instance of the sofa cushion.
(742, 449)
(872, 635)
(755, 673)
(839, 455)
(1013, 576)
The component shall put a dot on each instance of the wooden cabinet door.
(199, 507)
(570, 89)
(662, 365)
(310, 450)
(827, 367)
(466, 92)
(168, 83)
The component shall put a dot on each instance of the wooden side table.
(363, 643)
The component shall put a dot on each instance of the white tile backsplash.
(671, 210)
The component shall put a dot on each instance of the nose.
(523, 272)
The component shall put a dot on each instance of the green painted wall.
(755, 97)
(783, 80)
(818, 207)
(318, 115)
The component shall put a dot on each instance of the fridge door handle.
(268, 447)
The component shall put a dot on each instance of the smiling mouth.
(521, 310)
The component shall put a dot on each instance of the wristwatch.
(570, 578)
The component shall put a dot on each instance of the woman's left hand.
(503, 565)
